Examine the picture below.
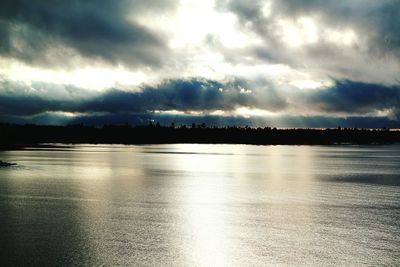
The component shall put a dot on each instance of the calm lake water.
(201, 205)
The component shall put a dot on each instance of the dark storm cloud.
(182, 95)
(344, 97)
(21, 99)
(188, 95)
(96, 29)
(354, 97)
(171, 95)
(39, 103)
(4, 40)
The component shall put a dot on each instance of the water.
(201, 205)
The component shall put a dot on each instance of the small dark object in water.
(5, 164)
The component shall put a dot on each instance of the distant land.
(18, 136)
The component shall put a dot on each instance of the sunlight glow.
(88, 77)
(244, 91)
(305, 31)
(169, 112)
(259, 70)
(218, 113)
(67, 114)
(307, 84)
(249, 112)
(195, 22)
(267, 9)
(346, 37)
(179, 112)
(300, 32)
(197, 19)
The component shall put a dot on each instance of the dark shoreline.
(19, 136)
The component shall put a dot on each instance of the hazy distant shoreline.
(19, 136)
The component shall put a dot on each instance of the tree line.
(14, 136)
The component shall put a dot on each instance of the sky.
(280, 63)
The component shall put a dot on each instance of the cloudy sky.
(283, 63)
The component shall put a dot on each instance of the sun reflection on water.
(204, 199)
